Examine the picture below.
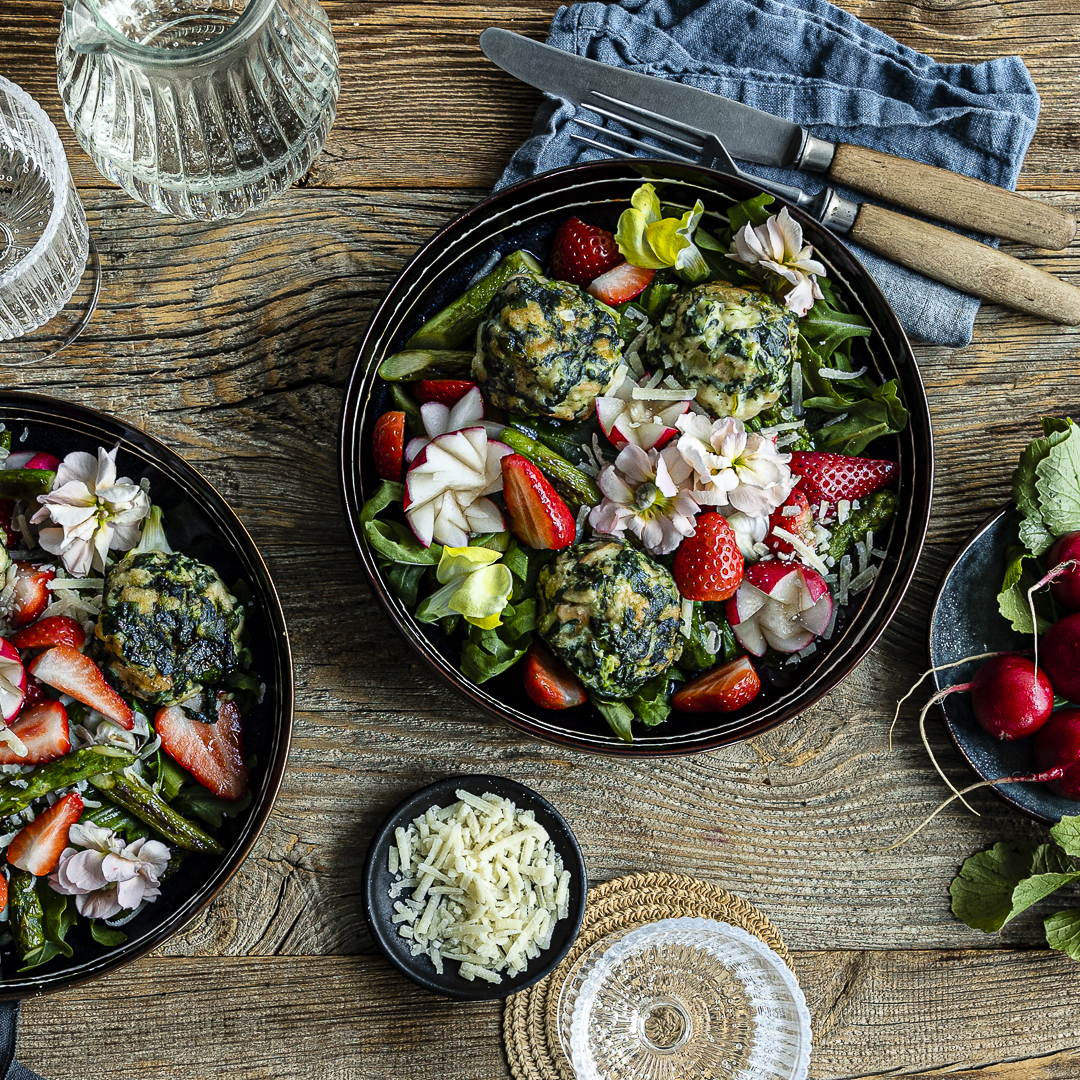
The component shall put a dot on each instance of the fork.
(940, 254)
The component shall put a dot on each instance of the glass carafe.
(200, 108)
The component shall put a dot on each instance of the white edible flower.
(108, 876)
(777, 246)
(95, 510)
(645, 492)
(749, 532)
(731, 467)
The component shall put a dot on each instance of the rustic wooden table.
(232, 342)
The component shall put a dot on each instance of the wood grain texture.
(233, 342)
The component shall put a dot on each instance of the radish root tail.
(938, 697)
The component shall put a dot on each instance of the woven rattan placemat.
(530, 1019)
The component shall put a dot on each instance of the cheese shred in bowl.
(487, 886)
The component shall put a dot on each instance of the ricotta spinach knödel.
(611, 614)
(545, 348)
(734, 343)
(168, 627)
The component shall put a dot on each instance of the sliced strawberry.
(795, 517)
(31, 596)
(212, 753)
(709, 564)
(445, 391)
(35, 692)
(72, 672)
(3, 892)
(621, 284)
(832, 477)
(720, 689)
(388, 445)
(37, 847)
(580, 252)
(538, 516)
(55, 630)
(43, 729)
(549, 682)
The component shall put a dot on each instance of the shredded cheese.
(488, 886)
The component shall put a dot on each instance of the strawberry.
(3, 892)
(709, 564)
(31, 596)
(580, 252)
(620, 284)
(42, 460)
(212, 753)
(55, 630)
(538, 516)
(43, 729)
(832, 477)
(720, 689)
(549, 683)
(388, 445)
(445, 391)
(72, 672)
(37, 847)
(35, 693)
(793, 516)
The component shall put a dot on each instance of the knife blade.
(753, 135)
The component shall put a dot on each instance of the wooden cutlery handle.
(966, 264)
(947, 196)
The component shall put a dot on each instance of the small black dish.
(379, 907)
(965, 622)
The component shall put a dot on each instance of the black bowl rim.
(187, 476)
(1005, 792)
(566, 844)
(864, 640)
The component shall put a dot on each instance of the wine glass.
(684, 998)
(44, 241)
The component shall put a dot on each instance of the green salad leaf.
(996, 885)
(106, 935)
(619, 716)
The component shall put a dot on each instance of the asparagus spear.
(62, 773)
(412, 364)
(25, 483)
(27, 917)
(458, 321)
(581, 486)
(139, 799)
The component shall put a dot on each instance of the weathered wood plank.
(422, 107)
(917, 1014)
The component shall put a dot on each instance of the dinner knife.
(754, 135)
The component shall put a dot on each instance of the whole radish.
(1059, 654)
(1065, 582)
(1057, 745)
(1009, 698)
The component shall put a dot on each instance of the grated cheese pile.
(488, 886)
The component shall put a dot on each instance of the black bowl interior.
(964, 622)
(200, 523)
(524, 217)
(379, 907)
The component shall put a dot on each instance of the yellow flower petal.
(459, 561)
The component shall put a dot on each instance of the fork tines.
(670, 133)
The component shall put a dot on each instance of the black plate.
(379, 907)
(524, 216)
(200, 523)
(965, 622)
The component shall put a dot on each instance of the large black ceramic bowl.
(524, 217)
(965, 622)
(200, 523)
(379, 904)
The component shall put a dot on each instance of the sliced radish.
(12, 681)
(644, 422)
(779, 605)
(447, 484)
(440, 419)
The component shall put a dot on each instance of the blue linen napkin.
(808, 61)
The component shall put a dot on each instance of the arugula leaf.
(196, 801)
(1063, 932)
(57, 920)
(106, 935)
(652, 703)
(487, 653)
(619, 716)
(985, 893)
